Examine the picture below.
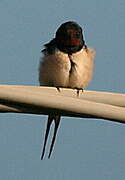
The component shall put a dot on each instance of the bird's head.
(69, 37)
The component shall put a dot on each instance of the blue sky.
(89, 149)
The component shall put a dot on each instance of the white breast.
(55, 70)
(83, 68)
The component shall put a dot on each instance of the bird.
(67, 62)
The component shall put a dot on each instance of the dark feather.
(49, 47)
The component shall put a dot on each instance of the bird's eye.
(77, 35)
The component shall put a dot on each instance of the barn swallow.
(67, 62)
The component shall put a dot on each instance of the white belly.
(56, 70)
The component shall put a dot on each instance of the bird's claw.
(58, 88)
(78, 90)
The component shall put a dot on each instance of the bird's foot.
(58, 88)
(78, 90)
